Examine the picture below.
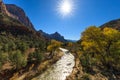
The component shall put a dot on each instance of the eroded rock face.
(16, 13)
(20, 15)
(3, 9)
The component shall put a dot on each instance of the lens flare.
(65, 7)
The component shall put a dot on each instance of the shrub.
(36, 56)
(18, 59)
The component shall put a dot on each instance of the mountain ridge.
(57, 36)
(112, 24)
(18, 13)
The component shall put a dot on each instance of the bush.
(36, 56)
(5, 48)
(3, 57)
(18, 59)
(22, 46)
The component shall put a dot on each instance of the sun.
(65, 7)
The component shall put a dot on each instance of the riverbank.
(79, 74)
(37, 69)
(61, 69)
(77, 70)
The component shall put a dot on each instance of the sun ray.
(65, 8)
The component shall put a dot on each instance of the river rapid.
(61, 69)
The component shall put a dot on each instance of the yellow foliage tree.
(54, 45)
(92, 40)
(104, 42)
(70, 44)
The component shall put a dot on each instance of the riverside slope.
(61, 69)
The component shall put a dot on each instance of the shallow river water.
(61, 69)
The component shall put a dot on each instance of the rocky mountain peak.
(4, 10)
(17, 13)
(56, 34)
(21, 16)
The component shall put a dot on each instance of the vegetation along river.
(61, 69)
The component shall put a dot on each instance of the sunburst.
(65, 8)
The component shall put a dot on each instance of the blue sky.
(44, 16)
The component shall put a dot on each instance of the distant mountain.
(12, 15)
(20, 15)
(57, 36)
(112, 24)
(11, 24)
(44, 34)
(71, 40)
(16, 13)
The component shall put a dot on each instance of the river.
(61, 69)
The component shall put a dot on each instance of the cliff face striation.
(17, 13)
(20, 15)
(3, 9)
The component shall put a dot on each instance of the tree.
(70, 44)
(102, 44)
(54, 45)
(112, 47)
(92, 40)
